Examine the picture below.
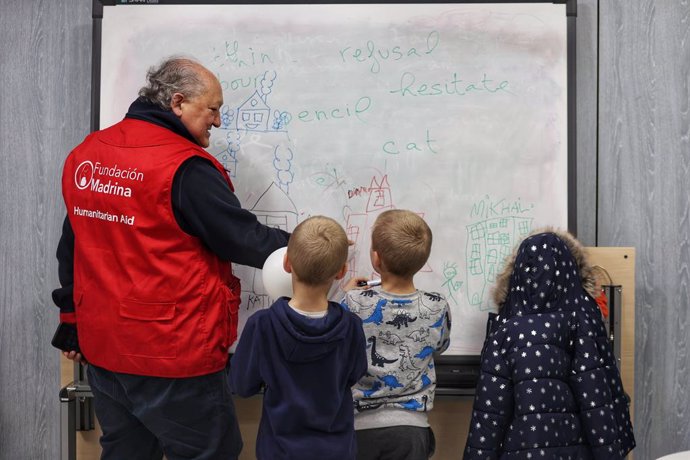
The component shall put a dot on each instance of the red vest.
(149, 298)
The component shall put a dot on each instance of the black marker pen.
(370, 283)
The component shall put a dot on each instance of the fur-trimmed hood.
(502, 288)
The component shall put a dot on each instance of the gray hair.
(174, 75)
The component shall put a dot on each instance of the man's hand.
(74, 356)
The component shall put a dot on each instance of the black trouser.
(395, 443)
(146, 417)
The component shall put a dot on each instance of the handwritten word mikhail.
(487, 208)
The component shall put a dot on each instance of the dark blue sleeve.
(205, 207)
(245, 372)
(62, 296)
(360, 362)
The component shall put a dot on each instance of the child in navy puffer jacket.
(549, 386)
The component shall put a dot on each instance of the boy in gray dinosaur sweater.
(404, 327)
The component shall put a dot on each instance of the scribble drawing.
(489, 242)
(355, 228)
(280, 120)
(226, 116)
(282, 162)
(273, 208)
(228, 157)
(327, 178)
(379, 197)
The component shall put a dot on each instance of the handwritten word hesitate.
(372, 54)
(488, 208)
(454, 86)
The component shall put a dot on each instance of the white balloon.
(277, 281)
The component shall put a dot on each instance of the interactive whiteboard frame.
(456, 373)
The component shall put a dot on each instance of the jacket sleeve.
(205, 207)
(589, 382)
(493, 404)
(245, 364)
(360, 362)
(63, 296)
(444, 341)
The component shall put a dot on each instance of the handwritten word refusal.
(373, 54)
(454, 86)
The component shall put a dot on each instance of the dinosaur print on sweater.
(402, 318)
(403, 333)
(376, 358)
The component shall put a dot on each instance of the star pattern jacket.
(549, 386)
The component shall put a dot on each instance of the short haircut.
(174, 75)
(402, 240)
(317, 250)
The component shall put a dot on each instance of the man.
(144, 262)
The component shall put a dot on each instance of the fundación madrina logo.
(83, 175)
(101, 178)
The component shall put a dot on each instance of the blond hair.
(317, 250)
(402, 240)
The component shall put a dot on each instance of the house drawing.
(379, 195)
(254, 114)
(273, 208)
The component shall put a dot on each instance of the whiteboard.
(457, 112)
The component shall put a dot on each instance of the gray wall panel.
(44, 106)
(587, 120)
(645, 199)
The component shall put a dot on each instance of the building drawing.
(489, 242)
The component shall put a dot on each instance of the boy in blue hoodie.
(307, 352)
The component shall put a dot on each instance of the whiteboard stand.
(614, 294)
(76, 412)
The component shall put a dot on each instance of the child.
(404, 327)
(548, 385)
(307, 351)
